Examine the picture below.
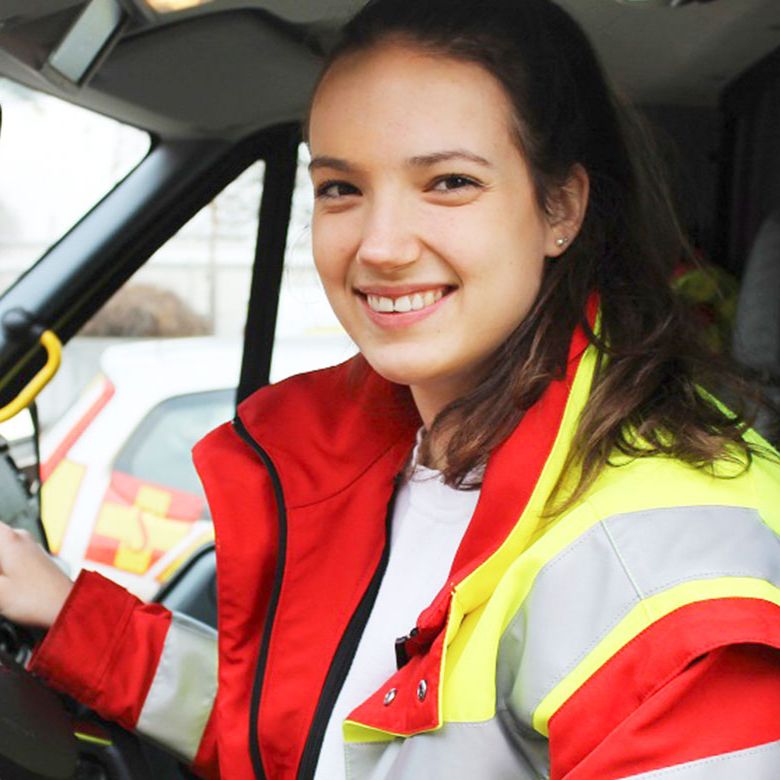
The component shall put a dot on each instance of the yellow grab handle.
(53, 347)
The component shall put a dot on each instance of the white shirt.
(429, 520)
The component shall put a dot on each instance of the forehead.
(396, 95)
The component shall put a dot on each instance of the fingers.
(10, 540)
(32, 586)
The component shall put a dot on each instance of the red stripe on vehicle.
(73, 435)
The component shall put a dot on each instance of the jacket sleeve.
(148, 669)
(656, 711)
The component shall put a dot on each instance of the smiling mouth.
(401, 304)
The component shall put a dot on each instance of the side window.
(198, 282)
(158, 452)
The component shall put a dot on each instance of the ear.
(566, 211)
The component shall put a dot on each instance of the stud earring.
(562, 241)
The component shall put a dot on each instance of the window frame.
(82, 270)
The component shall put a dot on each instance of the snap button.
(422, 690)
(390, 696)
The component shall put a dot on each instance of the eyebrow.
(330, 162)
(426, 160)
(418, 161)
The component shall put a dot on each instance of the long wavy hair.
(647, 396)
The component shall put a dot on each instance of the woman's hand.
(32, 587)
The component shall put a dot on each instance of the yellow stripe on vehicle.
(153, 500)
(58, 495)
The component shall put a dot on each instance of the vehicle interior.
(220, 84)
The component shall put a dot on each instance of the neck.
(430, 399)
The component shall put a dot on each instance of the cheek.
(525, 274)
(512, 277)
(326, 253)
(330, 251)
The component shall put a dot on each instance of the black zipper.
(342, 660)
(273, 603)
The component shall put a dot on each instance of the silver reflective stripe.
(758, 763)
(591, 585)
(458, 751)
(181, 696)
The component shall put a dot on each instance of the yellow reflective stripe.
(643, 615)
(467, 692)
(470, 671)
(355, 732)
(469, 681)
(657, 482)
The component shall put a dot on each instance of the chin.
(402, 371)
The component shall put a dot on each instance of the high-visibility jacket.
(637, 634)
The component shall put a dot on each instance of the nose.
(388, 240)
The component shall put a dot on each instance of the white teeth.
(404, 303)
(380, 303)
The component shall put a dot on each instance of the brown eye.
(330, 190)
(453, 182)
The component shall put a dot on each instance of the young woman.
(515, 537)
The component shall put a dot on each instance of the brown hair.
(651, 364)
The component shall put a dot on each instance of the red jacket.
(299, 491)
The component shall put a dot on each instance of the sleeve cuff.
(76, 651)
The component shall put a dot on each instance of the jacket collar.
(323, 430)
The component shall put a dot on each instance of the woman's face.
(427, 233)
